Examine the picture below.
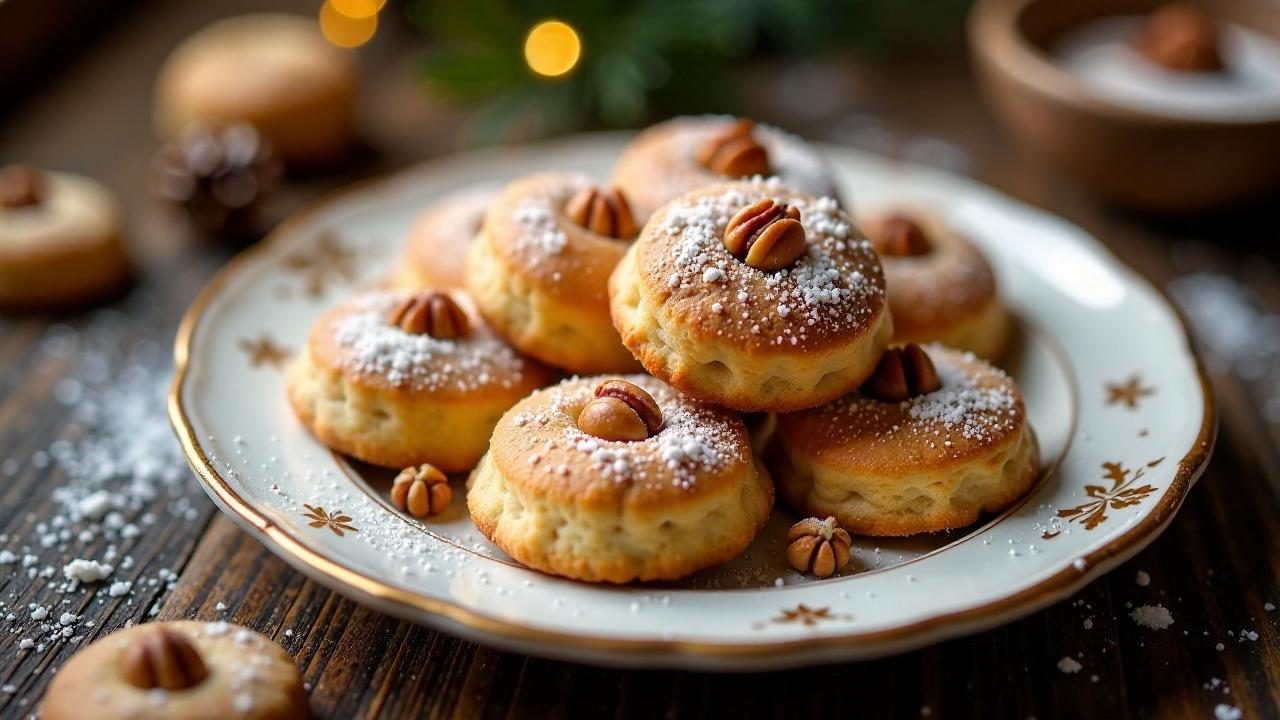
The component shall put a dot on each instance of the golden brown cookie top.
(438, 241)
(949, 282)
(977, 408)
(539, 445)
(259, 60)
(833, 294)
(530, 229)
(666, 160)
(363, 338)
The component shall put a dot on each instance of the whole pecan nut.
(163, 659)
(21, 186)
(421, 491)
(818, 547)
(431, 313)
(767, 235)
(603, 212)
(1180, 36)
(901, 374)
(620, 411)
(734, 151)
(898, 236)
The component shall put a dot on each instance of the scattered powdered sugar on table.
(1155, 617)
(86, 571)
(1069, 665)
(825, 290)
(372, 345)
(117, 463)
(1234, 332)
(1223, 711)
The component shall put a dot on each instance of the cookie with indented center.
(619, 479)
(191, 670)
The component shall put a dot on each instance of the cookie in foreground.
(189, 669)
(933, 439)
(753, 296)
(396, 378)
(619, 479)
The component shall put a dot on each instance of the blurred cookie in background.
(59, 240)
(276, 72)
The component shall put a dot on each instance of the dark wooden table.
(1215, 568)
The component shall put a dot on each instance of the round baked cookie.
(435, 253)
(274, 71)
(191, 670)
(941, 288)
(671, 158)
(59, 240)
(539, 277)
(717, 328)
(901, 467)
(396, 378)
(567, 502)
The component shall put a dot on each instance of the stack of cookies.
(727, 329)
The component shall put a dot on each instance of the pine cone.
(218, 175)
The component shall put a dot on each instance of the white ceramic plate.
(1111, 384)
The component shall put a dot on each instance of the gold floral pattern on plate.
(1120, 495)
(326, 262)
(264, 351)
(335, 521)
(1128, 393)
(804, 615)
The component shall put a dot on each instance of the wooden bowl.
(1146, 161)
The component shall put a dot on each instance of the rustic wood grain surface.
(1216, 566)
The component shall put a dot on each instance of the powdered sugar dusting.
(962, 406)
(827, 289)
(976, 404)
(1155, 617)
(370, 344)
(694, 438)
(539, 234)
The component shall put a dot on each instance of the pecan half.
(603, 212)
(421, 491)
(164, 659)
(818, 547)
(901, 374)
(432, 313)
(767, 235)
(621, 411)
(1180, 36)
(898, 236)
(21, 186)
(734, 151)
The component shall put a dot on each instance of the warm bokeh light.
(358, 9)
(344, 30)
(552, 48)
